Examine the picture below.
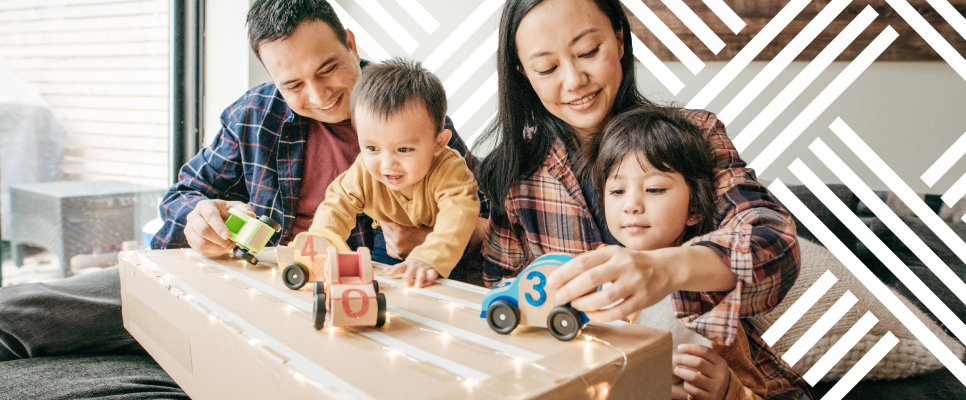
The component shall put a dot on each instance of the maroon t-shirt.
(329, 151)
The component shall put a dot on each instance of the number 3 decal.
(538, 287)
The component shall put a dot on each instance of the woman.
(565, 67)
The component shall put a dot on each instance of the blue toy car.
(504, 310)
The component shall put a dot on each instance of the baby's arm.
(415, 271)
(707, 376)
(344, 199)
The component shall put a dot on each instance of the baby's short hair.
(387, 87)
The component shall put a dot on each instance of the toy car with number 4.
(303, 260)
(527, 301)
(249, 234)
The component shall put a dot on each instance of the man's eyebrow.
(578, 37)
(324, 64)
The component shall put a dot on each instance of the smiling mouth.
(330, 106)
(393, 178)
(585, 99)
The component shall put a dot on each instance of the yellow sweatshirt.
(445, 200)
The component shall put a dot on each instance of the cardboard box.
(225, 329)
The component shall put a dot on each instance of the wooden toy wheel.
(502, 316)
(245, 255)
(375, 285)
(381, 303)
(294, 276)
(318, 311)
(564, 323)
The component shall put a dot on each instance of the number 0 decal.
(348, 309)
(538, 287)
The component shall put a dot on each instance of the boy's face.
(314, 71)
(646, 209)
(398, 151)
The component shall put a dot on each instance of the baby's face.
(399, 151)
(646, 209)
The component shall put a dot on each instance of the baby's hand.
(706, 375)
(413, 269)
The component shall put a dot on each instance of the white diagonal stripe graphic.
(823, 100)
(656, 66)
(365, 43)
(863, 233)
(471, 64)
(840, 348)
(695, 24)
(862, 368)
(475, 101)
(955, 192)
(727, 15)
(871, 282)
(783, 59)
(929, 34)
(461, 34)
(389, 24)
(748, 53)
(664, 34)
(899, 187)
(820, 328)
(476, 135)
(951, 15)
(799, 308)
(423, 17)
(804, 78)
(945, 162)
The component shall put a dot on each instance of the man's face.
(314, 71)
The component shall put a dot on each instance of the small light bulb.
(253, 342)
(212, 317)
(298, 376)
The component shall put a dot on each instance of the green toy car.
(250, 234)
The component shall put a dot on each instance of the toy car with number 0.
(348, 291)
(249, 234)
(527, 301)
(303, 260)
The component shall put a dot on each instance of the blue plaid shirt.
(257, 158)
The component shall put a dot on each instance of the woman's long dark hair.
(521, 114)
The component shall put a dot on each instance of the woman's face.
(572, 57)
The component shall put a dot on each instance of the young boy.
(405, 174)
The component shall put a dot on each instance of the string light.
(253, 342)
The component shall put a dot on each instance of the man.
(279, 147)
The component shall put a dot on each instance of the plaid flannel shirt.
(546, 212)
(257, 158)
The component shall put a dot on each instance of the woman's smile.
(585, 102)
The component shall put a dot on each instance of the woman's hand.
(640, 279)
(706, 375)
(400, 240)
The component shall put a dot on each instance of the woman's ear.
(620, 44)
(442, 138)
(693, 220)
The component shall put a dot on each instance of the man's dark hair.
(271, 20)
(670, 143)
(386, 88)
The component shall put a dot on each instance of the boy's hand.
(706, 375)
(413, 269)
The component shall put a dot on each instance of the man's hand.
(205, 227)
(706, 375)
(423, 273)
(400, 240)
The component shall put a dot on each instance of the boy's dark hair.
(271, 20)
(670, 143)
(385, 88)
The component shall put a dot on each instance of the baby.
(653, 176)
(405, 174)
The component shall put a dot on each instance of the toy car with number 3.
(527, 301)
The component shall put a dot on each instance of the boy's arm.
(459, 210)
(344, 200)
